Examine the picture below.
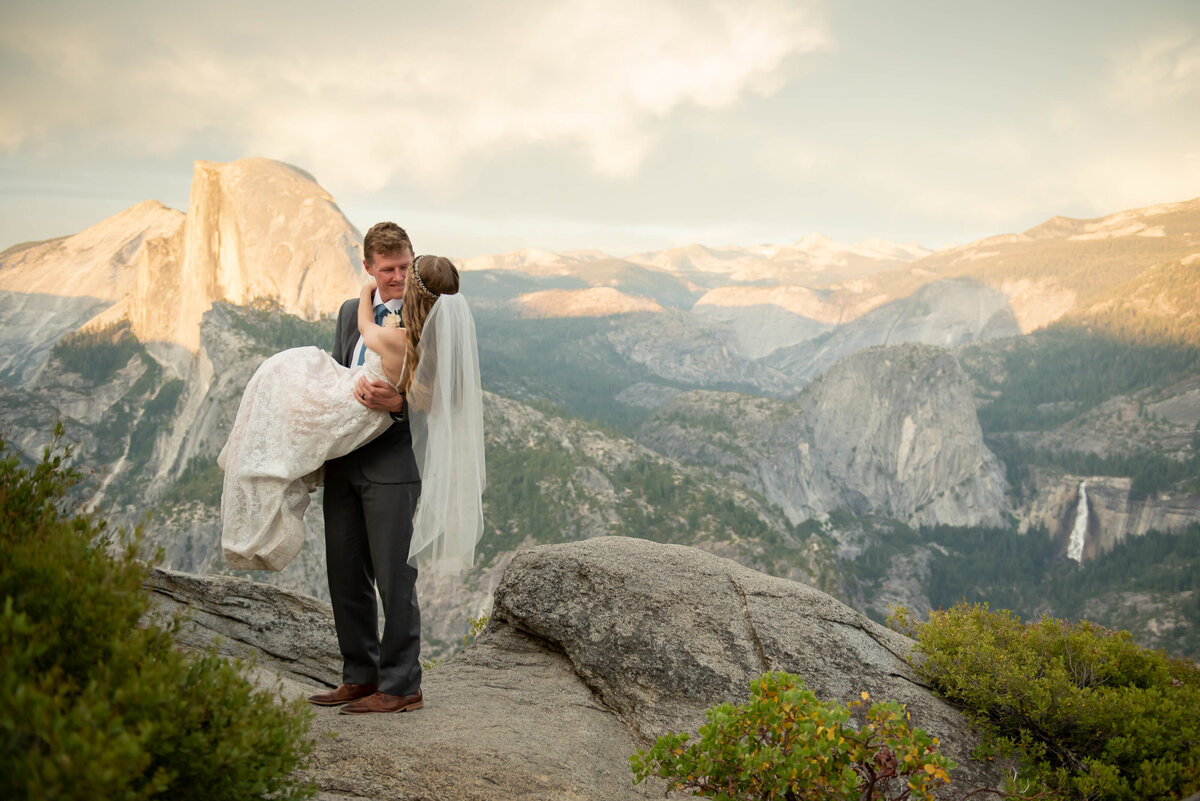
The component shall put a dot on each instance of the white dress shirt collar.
(393, 305)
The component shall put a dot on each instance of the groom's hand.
(378, 396)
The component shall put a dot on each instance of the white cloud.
(1159, 72)
(596, 79)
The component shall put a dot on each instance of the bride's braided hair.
(429, 278)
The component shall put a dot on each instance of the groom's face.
(389, 271)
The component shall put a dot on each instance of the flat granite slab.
(506, 719)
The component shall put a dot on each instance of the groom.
(370, 496)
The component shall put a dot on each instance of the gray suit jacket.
(387, 459)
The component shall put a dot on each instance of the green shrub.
(785, 744)
(91, 705)
(1089, 713)
(475, 626)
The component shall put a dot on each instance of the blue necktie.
(381, 311)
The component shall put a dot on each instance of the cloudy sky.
(623, 125)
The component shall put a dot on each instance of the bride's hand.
(368, 290)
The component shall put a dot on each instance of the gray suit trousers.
(368, 528)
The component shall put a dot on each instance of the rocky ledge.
(594, 648)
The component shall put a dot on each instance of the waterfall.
(1079, 532)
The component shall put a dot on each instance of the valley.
(890, 425)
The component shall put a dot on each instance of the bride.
(298, 411)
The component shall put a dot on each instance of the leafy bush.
(91, 705)
(785, 744)
(1090, 713)
(475, 626)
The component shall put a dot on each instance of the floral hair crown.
(416, 271)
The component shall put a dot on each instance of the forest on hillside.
(1056, 376)
(1157, 574)
(567, 369)
(1044, 379)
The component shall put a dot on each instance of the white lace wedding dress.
(298, 411)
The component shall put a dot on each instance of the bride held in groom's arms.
(303, 409)
(395, 415)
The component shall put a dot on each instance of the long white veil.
(446, 418)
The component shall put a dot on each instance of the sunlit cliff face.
(254, 229)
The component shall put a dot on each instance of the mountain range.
(849, 415)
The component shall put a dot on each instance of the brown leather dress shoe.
(343, 694)
(382, 702)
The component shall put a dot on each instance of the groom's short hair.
(385, 239)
